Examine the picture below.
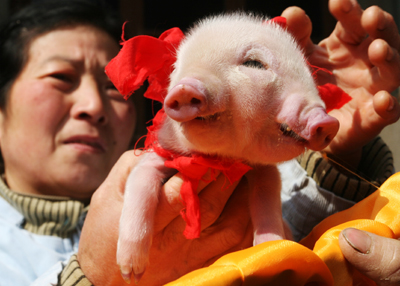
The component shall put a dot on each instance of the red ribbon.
(146, 57)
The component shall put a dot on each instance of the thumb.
(377, 257)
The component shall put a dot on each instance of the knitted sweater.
(37, 232)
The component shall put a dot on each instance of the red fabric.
(281, 21)
(333, 96)
(192, 168)
(145, 57)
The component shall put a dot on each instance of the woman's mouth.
(86, 143)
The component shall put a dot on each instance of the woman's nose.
(89, 104)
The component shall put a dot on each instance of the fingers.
(103, 221)
(213, 197)
(299, 24)
(374, 256)
(348, 13)
(380, 25)
(387, 61)
(355, 24)
(387, 107)
(232, 230)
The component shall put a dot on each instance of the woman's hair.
(34, 20)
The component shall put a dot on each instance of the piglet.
(240, 90)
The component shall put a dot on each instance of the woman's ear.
(2, 118)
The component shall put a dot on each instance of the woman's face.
(65, 124)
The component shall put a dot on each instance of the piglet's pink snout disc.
(186, 100)
(322, 128)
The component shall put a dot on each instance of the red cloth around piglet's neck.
(192, 168)
(146, 57)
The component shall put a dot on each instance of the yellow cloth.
(290, 263)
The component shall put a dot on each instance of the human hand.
(363, 55)
(375, 256)
(226, 227)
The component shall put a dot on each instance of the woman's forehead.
(76, 43)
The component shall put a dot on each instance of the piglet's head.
(242, 89)
(236, 89)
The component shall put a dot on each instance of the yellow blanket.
(317, 258)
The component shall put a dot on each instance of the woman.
(63, 126)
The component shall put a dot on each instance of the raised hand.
(362, 54)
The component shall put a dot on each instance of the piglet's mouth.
(287, 131)
(211, 117)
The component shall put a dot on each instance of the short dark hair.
(41, 17)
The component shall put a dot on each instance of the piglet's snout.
(186, 100)
(322, 128)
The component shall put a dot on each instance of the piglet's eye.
(254, 64)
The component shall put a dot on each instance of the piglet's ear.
(281, 21)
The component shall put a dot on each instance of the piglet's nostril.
(195, 101)
(173, 104)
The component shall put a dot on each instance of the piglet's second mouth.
(212, 117)
(287, 131)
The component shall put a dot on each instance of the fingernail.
(357, 239)
(389, 54)
(391, 104)
(381, 22)
(347, 6)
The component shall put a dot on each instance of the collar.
(46, 215)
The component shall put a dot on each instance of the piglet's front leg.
(265, 204)
(142, 190)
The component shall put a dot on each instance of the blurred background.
(152, 17)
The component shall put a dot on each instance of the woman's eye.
(62, 77)
(254, 64)
(113, 92)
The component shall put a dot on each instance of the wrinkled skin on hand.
(363, 55)
(226, 227)
(366, 251)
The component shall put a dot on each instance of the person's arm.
(225, 221)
